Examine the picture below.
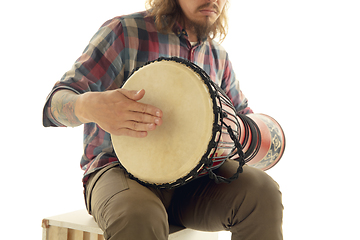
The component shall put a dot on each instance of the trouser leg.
(124, 209)
(250, 207)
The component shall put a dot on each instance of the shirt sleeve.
(99, 68)
(232, 89)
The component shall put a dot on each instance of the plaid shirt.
(121, 45)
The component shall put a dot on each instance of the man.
(90, 94)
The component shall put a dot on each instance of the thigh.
(207, 206)
(112, 195)
(102, 185)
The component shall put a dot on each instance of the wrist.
(81, 104)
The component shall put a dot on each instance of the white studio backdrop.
(297, 61)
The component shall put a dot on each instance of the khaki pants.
(250, 207)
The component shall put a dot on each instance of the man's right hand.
(116, 111)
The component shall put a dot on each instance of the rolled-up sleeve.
(99, 67)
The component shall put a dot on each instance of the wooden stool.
(79, 225)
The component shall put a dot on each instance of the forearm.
(116, 112)
(62, 107)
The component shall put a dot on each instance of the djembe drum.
(200, 129)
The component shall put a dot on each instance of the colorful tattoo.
(63, 108)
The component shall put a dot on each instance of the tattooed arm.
(63, 108)
(117, 111)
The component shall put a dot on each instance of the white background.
(297, 61)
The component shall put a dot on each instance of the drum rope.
(240, 159)
(238, 147)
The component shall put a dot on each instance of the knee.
(262, 188)
(258, 207)
(253, 186)
(262, 194)
(264, 183)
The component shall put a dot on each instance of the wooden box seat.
(79, 225)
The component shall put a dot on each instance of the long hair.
(172, 12)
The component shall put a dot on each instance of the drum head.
(176, 147)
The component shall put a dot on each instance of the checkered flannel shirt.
(121, 45)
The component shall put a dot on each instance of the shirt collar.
(180, 31)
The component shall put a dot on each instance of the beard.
(202, 29)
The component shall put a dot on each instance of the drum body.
(200, 128)
(270, 144)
